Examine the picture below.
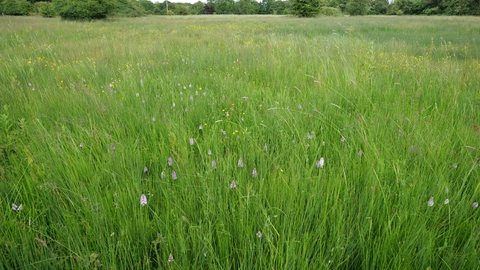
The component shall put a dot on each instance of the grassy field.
(230, 142)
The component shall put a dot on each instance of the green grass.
(91, 113)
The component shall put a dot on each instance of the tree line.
(100, 9)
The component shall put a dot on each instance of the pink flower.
(143, 200)
(240, 163)
(192, 141)
(233, 184)
(174, 175)
(254, 172)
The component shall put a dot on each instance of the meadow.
(240, 142)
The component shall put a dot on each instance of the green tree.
(305, 8)
(265, 7)
(129, 8)
(280, 7)
(197, 8)
(45, 9)
(16, 7)
(378, 7)
(357, 7)
(148, 6)
(84, 9)
(246, 7)
(224, 6)
(181, 10)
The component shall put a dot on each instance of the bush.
(129, 8)
(330, 11)
(45, 9)
(16, 7)
(84, 9)
(305, 8)
(431, 11)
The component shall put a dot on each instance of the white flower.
(430, 202)
(17, 207)
(233, 184)
(259, 234)
(320, 163)
(474, 205)
(447, 201)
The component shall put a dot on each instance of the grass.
(92, 112)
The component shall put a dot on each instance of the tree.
(280, 7)
(84, 9)
(265, 7)
(129, 8)
(224, 6)
(45, 9)
(16, 7)
(246, 7)
(305, 8)
(357, 7)
(378, 7)
(197, 8)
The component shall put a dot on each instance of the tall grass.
(93, 112)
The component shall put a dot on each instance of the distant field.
(240, 142)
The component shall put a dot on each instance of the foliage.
(246, 7)
(181, 10)
(197, 8)
(16, 7)
(265, 7)
(280, 7)
(148, 6)
(224, 6)
(129, 8)
(45, 9)
(84, 9)
(305, 8)
(330, 11)
(378, 7)
(357, 7)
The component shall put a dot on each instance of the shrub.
(330, 11)
(16, 7)
(84, 9)
(305, 8)
(129, 8)
(432, 11)
(45, 9)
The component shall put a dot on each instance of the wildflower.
(446, 190)
(233, 184)
(200, 127)
(254, 172)
(224, 132)
(170, 258)
(430, 202)
(447, 201)
(174, 175)
(299, 106)
(112, 146)
(454, 165)
(265, 147)
(320, 163)
(145, 169)
(309, 136)
(81, 145)
(169, 161)
(474, 205)
(259, 234)
(143, 200)
(143, 101)
(191, 98)
(154, 119)
(191, 141)
(240, 163)
(343, 139)
(293, 141)
(360, 153)
(17, 207)
(162, 174)
(214, 164)
(137, 94)
(209, 152)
